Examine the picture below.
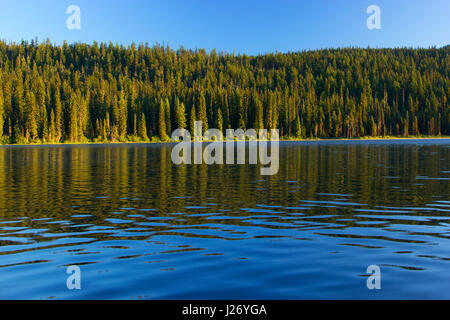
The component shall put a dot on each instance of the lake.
(140, 227)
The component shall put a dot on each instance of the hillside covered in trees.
(107, 92)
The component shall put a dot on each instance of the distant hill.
(108, 92)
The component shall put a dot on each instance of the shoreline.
(380, 138)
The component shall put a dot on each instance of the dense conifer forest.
(105, 92)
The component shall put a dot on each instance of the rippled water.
(140, 227)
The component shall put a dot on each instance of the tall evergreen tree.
(168, 116)
(202, 113)
(192, 120)
(52, 128)
(219, 121)
(2, 110)
(180, 115)
(143, 128)
(122, 114)
(298, 128)
(162, 121)
(58, 116)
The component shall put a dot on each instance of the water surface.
(140, 227)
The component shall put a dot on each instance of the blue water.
(140, 227)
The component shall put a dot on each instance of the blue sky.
(243, 26)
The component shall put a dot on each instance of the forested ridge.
(105, 92)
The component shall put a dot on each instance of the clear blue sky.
(246, 26)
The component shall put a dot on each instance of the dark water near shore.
(140, 227)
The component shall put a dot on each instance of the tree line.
(105, 92)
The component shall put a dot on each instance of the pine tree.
(415, 127)
(259, 124)
(58, 116)
(162, 121)
(73, 118)
(202, 113)
(192, 120)
(143, 128)
(168, 117)
(219, 120)
(52, 129)
(298, 127)
(17, 102)
(274, 116)
(30, 111)
(106, 127)
(2, 110)
(373, 126)
(180, 115)
(122, 113)
(269, 112)
(406, 125)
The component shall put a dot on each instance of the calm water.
(140, 227)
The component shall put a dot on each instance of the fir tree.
(219, 121)
(202, 113)
(180, 115)
(192, 120)
(52, 129)
(143, 128)
(162, 121)
(298, 128)
(2, 109)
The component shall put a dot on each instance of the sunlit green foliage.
(107, 92)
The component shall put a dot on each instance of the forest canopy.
(105, 92)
